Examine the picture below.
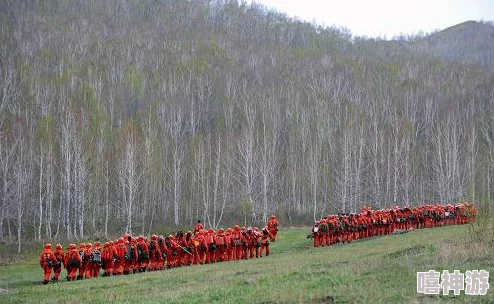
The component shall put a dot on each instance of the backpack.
(72, 260)
(47, 260)
(96, 256)
(142, 254)
(81, 253)
(130, 253)
(324, 228)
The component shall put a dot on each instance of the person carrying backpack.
(142, 255)
(57, 268)
(107, 256)
(238, 240)
(154, 253)
(211, 246)
(265, 238)
(162, 246)
(96, 260)
(220, 245)
(273, 227)
(82, 267)
(120, 251)
(88, 272)
(47, 260)
(72, 262)
(129, 258)
(229, 245)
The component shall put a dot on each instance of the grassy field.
(378, 270)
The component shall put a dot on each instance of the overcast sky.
(379, 18)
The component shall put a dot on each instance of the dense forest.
(131, 116)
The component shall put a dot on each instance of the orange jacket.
(60, 256)
(72, 254)
(46, 258)
(272, 223)
(265, 237)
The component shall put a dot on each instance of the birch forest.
(134, 116)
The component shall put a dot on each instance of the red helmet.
(89, 245)
(72, 246)
(58, 246)
(82, 245)
(97, 244)
(47, 246)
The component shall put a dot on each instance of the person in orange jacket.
(142, 254)
(172, 252)
(220, 245)
(73, 261)
(162, 245)
(323, 232)
(315, 234)
(229, 245)
(265, 238)
(257, 240)
(198, 227)
(245, 242)
(154, 253)
(211, 246)
(238, 240)
(129, 257)
(88, 272)
(333, 228)
(96, 260)
(182, 248)
(47, 260)
(57, 268)
(189, 250)
(250, 243)
(107, 257)
(273, 227)
(200, 242)
(82, 268)
(120, 251)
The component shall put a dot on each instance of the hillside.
(470, 41)
(138, 116)
(375, 270)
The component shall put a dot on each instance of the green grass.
(378, 270)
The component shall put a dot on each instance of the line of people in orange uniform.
(345, 228)
(138, 254)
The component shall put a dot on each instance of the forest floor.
(377, 270)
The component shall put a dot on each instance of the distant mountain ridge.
(470, 41)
